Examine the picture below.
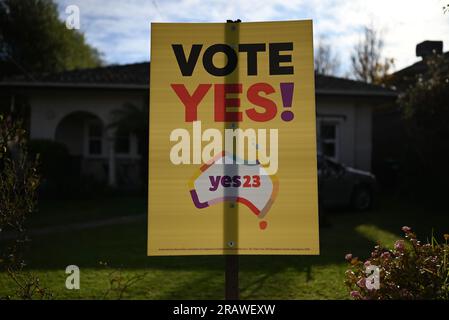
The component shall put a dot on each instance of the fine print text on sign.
(232, 139)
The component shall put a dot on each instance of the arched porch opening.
(84, 134)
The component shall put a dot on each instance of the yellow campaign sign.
(232, 160)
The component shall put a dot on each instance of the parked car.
(339, 185)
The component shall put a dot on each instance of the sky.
(120, 29)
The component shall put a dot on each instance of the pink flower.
(385, 255)
(399, 245)
(356, 294)
(367, 263)
(362, 283)
(406, 229)
(348, 257)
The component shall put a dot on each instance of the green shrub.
(54, 160)
(52, 153)
(19, 180)
(411, 270)
(61, 172)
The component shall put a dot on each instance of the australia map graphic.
(224, 179)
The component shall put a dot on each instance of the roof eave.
(73, 85)
(363, 93)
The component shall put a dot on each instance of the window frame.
(336, 122)
(87, 139)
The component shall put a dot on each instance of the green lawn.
(201, 277)
(60, 212)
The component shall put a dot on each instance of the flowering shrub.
(19, 180)
(411, 270)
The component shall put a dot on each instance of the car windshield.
(333, 165)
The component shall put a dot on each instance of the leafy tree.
(425, 108)
(131, 119)
(366, 60)
(34, 40)
(326, 63)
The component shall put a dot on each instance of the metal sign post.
(231, 209)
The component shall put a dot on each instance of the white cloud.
(120, 29)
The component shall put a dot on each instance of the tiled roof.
(329, 84)
(416, 68)
(137, 76)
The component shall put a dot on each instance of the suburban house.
(75, 108)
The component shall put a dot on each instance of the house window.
(94, 138)
(328, 139)
(122, 143)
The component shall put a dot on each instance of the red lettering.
(256, 99)
(221, 102)
(191, 102)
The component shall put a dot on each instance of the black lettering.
(187, 65)
(231, 60)
(251, 50)
(276, 58)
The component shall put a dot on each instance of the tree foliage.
(131, 119)
(425, 108)
(367, 62)
(326, 62)
(34, 40)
